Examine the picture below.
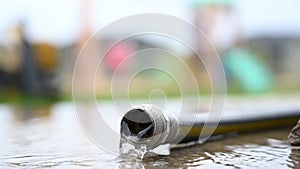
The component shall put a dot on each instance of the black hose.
(149, 125)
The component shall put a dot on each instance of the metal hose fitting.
(149, 125)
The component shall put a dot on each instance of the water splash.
(133, 145)
(131, 149)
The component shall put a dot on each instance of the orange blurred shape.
(46, 56)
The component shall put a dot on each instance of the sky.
(57, 21)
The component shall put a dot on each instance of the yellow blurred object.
(46, 56)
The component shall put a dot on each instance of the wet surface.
(51, 137)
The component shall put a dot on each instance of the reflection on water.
(259, 150)
(50, 137)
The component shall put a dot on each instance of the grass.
(14, 97)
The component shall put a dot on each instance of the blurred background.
(258, 42)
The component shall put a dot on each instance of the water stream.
(132, 144)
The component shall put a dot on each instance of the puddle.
(55, 140)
